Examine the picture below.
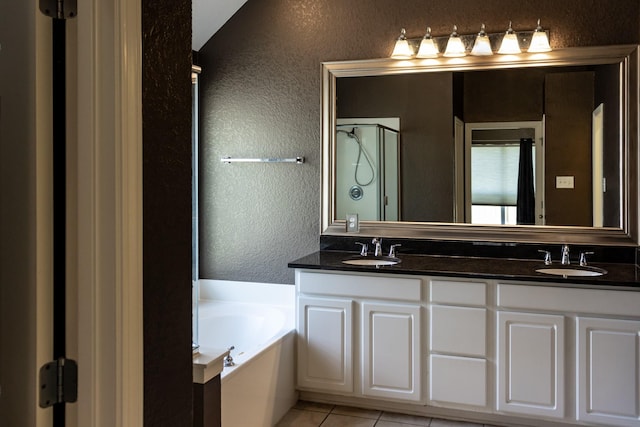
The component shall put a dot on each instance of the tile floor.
(309, 414)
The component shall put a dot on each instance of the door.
(530, 364)
(597, 165)
(492, 156)
(391, 351)
(608, 376)
(325, 351)
(98, 304)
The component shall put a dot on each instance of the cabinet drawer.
(372, 286)
(458, 330)
(458, 292)
(550, 298)
(460, 380)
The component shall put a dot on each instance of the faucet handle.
(377, 241)
(392, 250)
(583, 258)
(547, 256)
(565, 260)
(364, 250)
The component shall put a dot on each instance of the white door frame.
(108, 188)
(539, 142)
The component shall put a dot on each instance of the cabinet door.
(325, 355)
(391, 351)
(530, 361)
(608, 371)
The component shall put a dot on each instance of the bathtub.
(258, 321)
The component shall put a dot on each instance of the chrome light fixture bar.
(480, 44)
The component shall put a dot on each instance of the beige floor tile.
(449, 423)
(336, 420)
(299, 418)
(413, 420)
(382, 423)
(314, 406)
(357, 412)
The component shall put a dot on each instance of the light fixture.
(428, 47)
(510, 45)
(482, 45)
(402, 49)
(539, 41)
(455, 47)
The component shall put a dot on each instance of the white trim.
(109, 186)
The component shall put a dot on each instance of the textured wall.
(166, 114)
(261, 96)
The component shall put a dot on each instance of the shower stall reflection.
(368, 170)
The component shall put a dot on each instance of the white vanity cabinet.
(595, 333)
(376, 352)
(325, 353)
(530, 353)
(458, 343)
(391, 351)
(608, 371)
(530, 360)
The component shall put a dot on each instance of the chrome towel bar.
(298, 160)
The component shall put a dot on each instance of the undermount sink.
(573, 271)
(377, 262)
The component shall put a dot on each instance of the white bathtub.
(257, 319)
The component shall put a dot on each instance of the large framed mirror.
(527, 148)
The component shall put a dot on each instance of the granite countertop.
(619, 276)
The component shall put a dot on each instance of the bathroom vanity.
(466, 326)
(470, 338)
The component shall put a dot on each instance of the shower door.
(367, 172)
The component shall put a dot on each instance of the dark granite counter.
(619, 276)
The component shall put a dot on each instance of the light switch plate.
(353, 225)
(564, 182)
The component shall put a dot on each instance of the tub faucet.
(565, 255)
(228, 360)
(378, 244)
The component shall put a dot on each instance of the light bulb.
(482, 45)
(510, 43)
(428, 47)
(455, 47)
(402, 49)
(539, 41)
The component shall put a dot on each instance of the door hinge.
(58, 382)
(59, 9)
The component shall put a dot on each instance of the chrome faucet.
(364, 250)
(392, 250)
(547, 257)
(583, 258)
(378, 246)
(565, 255)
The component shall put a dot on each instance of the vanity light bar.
(479, 44)
(298, 160)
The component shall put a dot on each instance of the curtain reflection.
(526, 193)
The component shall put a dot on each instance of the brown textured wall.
(569, 101)
(261, 96)
(166, 114)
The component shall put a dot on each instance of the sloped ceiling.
(209, 16)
